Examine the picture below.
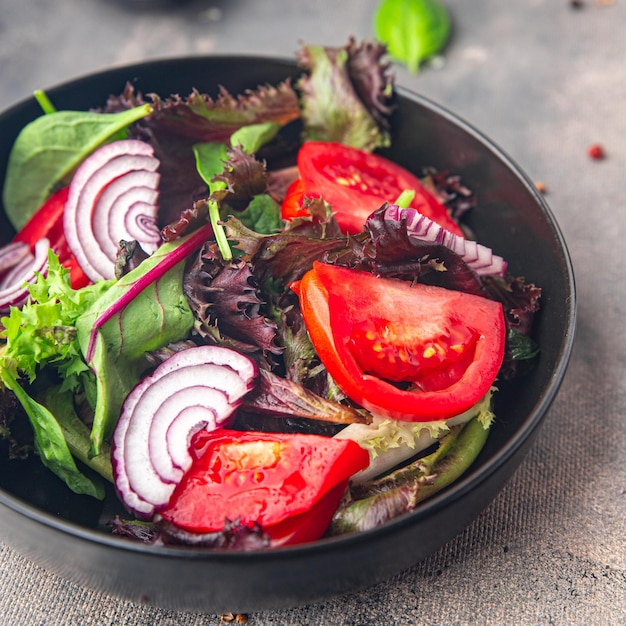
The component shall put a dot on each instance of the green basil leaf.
(412, 30)
(50, 148)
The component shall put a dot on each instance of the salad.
(241, 318)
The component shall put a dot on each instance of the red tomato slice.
(356, 183)
(310, 525)
(290, 484)
(292, 204)
(47, 222)
(410, 352)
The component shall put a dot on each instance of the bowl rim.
(465, 484)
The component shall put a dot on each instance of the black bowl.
(66, 533)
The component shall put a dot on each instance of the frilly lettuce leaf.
(384, 434)
(43, 331)
(226, 304)
(178, 123)
(392, 442)
(346, 95)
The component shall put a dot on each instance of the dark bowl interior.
(67, 534)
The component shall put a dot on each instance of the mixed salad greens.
(238, 313)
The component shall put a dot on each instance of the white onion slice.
(13, 286)
(478, 257)
(113, 196)
(198, 388)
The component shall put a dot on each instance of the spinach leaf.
(48, 150)
(412, 30)
(50, 442)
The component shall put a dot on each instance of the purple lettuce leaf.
(450, 191)
(392, 253)
(520, 300)
(234, 536)
(288, 255)
(244, 177)
(281, 397)
(177, 123)
(224, 298)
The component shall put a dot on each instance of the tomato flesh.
(356, 183)
(399, 352)
(411, 352)
(290, 484)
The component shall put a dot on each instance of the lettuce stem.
(44, 102)
(219, 232)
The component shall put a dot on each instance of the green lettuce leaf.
(253, 137)
(75, 431)
(50, 442)
(156, 316)
(345, 95)
(43, 331)
(392, 442)
(262, 215)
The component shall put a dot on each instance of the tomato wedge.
(290, 484)
(356, 183)
(409, 352)
(47, 222)
(292, 203)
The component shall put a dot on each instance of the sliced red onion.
(13, 286)
(14, 276)
(479, 258)
(198, 388)
(12, 254)
(113, 196)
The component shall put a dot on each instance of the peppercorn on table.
(545, 81)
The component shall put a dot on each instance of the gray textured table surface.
(542, 79)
